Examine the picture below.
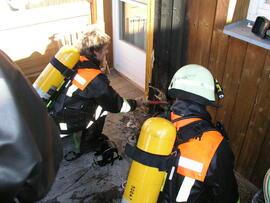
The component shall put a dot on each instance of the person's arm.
(108, 98)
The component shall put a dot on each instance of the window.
(258, 8)
(133, 15)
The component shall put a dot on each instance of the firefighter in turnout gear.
(203, 169)
(87, 99)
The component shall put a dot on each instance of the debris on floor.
(82, 180)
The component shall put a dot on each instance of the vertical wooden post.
(238, 10)
(149, 44)
(107, 11)
(93, 8)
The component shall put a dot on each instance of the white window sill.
(242, 30)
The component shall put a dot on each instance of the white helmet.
(193, 82)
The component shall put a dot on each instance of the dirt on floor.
(82, 180)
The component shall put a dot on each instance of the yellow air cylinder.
(144, 182)
(50, 78)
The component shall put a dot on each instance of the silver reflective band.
(64, 135)
(63, 126)
(71, 89)
(172, 172)
(80, 79)
(185, 189)
(125, 107)
(98, 112)
(89, 124)
(104, 113)
(190, 164)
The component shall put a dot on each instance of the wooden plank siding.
(241, 68)
(230, 79)
(168, 41)
(258, 134)
(219, 43)
(162, 29)
(246, 95)
(243, 71)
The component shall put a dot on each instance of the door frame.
(149, 45)
(149, 39)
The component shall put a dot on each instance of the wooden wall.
(243, 70)
(168, 41)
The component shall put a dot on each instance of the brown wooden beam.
(149, 44)
(107, 10)
(93, 8)
(238, 10)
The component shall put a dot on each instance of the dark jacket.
(30, 146)
(220, 185)
(79, 109)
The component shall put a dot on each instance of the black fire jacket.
(78, 109)
(220, 185)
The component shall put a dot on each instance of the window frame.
(121, 15)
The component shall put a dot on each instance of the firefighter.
(85, 102)
(203, 168)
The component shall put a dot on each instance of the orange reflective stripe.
(179, 124)
(83, 58)
(84, 77)
(200, 151)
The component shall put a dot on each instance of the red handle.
(156, 102)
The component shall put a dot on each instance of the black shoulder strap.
(192, 116)
(220, 127)
(65, 71)
(183, 118)
(51, 105)
(161, 162)
(195, 130)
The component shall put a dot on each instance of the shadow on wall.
(33, 65)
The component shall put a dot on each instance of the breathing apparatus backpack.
(56, 74)
(52, 81)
